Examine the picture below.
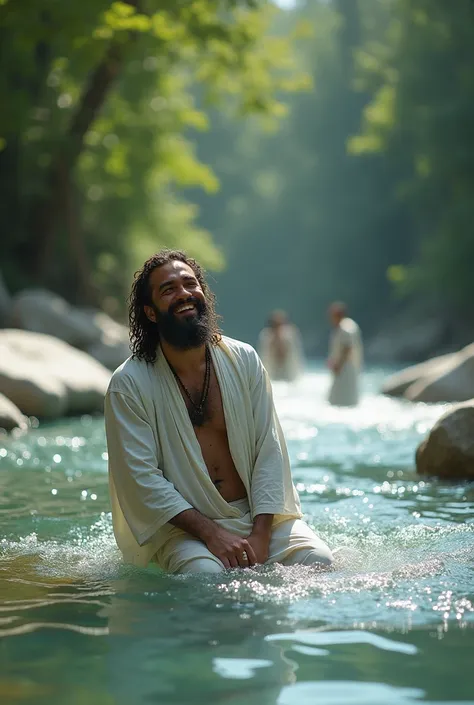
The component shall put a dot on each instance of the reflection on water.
(392, 624)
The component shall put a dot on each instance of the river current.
(395, 624)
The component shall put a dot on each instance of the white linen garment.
(156, 467)
(345, 386)
(291, 366)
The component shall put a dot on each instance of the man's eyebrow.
(166, 283)
(170, 282)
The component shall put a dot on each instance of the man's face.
(179, 306)
(335, 315)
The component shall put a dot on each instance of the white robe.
(345, 386)
(156, 467)
(291, 366)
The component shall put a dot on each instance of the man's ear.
(150, 314)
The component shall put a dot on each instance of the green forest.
(302, 155)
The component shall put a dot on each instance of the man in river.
(199, 472)
(280, 348)
(345, 357)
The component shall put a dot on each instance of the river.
(394, 625)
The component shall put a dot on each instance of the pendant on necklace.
(198, 415)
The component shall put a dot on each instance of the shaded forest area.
(365, 192)
(324, 152)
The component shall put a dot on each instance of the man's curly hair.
(144, 334)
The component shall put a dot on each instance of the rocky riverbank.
(55, 359)
(447, 378)
(448, 450)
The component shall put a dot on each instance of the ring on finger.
(245, 556)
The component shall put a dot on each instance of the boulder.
(113, 346)
(448, 451)
(26, 384)
(46, 377)
(91, 330)
(10, 415)
(40, 311)
(451, 381)
(397, 384)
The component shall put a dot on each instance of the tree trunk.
(46, 216)
(349, 35)
(85, 290)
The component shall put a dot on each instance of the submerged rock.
(10, 415)
(448, 451)
(47, 378)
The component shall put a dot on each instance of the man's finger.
(233, 562)
(225, 563)
(252, 558)
(243, 558)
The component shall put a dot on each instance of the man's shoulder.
(131, 374)
(243, 351)
(348, 325)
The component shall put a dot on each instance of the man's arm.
(146, 498)
(271, 488)
(260, 536)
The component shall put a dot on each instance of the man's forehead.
(169, 271)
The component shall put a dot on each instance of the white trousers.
(292, 542)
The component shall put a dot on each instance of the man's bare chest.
(213, 404)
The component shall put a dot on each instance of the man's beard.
(185, 332)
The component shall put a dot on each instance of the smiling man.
(199, 473)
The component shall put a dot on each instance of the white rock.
(397, 384)
(26, 383)
(113, 346)
(88, 329)
(40, 311)
(450, 382)
(46, 377)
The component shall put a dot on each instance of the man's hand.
(233, 551)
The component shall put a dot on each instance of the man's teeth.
(188, 307)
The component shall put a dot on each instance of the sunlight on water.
(80, 626)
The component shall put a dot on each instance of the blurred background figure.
(345, 357)
(280, 348)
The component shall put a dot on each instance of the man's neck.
(184, 361)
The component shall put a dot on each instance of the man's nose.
(183, 293)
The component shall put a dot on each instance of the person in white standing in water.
(199, 473)
(280, 348)
(345, 357)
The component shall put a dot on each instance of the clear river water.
(393, 625)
